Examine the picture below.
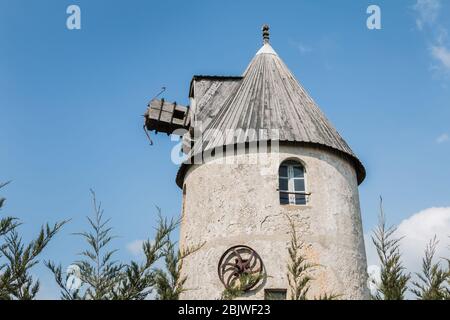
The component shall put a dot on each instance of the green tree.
(98, 272)
(102, 278)
(431, 284)
(7, 224)
(300, 269)
(17, 258)
(447, 288)
(394, 280)
(169, 282)
(238, 289)
(140, 279)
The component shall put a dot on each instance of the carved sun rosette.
(240, 263)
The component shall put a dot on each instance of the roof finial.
(266, 34)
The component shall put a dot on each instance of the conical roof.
(272, 103)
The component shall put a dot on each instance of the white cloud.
(442, 55)
(428, 15)
(301, 47)
(372, 257)
(417, 231)
(442, 138)
(374, 280)
(135, 248)
(442, 36)
(427, 12)
(74, 275)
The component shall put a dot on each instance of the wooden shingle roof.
(270, 99)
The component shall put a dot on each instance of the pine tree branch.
(394, 281)
(16, 281)
(431, 284)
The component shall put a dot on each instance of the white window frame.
(291, 182)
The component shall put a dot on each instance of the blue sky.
(71, 101)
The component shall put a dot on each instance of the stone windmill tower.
(237, 205)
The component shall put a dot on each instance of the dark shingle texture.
(271, 102)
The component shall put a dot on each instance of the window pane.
(298, 172)
(300, 199)
(299, 185)
(284, 198)
(275, 294)
(283, 171)
(284, 184)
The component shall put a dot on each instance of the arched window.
(292, 184)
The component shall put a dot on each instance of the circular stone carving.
(240, 263)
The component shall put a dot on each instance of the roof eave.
(357, 164)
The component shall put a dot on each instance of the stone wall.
(238, 204)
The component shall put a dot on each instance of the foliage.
(394, 280)
(447, 288)
(7, 224)
(19, 258)
(431, 284)
(139, 279)
(300, 269)
(103, 278)
(98, 273)
(236, 291)
(169, 281)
